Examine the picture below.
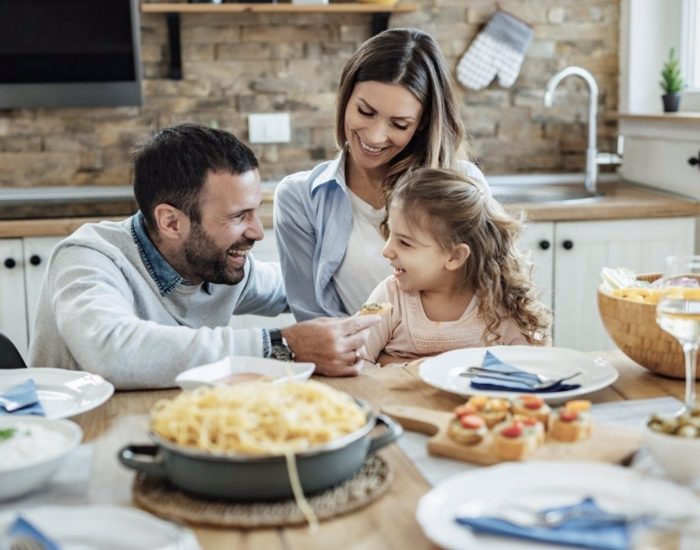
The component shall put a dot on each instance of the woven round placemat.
(164, 499)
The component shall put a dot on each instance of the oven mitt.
(499, 49)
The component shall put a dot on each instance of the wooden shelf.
(279, 8)
(380, 17)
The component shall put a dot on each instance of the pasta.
(638, 294)
(257, 418)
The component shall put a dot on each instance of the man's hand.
(333, 344)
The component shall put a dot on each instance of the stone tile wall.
(235, 64)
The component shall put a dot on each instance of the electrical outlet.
(269, 128)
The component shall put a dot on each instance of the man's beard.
(209, 263)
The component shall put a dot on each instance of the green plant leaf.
(671, 78)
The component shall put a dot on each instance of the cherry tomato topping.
(514, 430)
(471, 422)
(568, 416)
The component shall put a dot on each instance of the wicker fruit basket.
(633, 328)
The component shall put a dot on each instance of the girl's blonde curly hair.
(457, 209)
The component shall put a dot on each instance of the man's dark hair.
(172, 166)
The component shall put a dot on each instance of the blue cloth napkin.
(22, 528)
(581, 532)
(516, 378)
(25, 394)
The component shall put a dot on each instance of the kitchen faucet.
(591, 175)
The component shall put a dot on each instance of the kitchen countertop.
(59, 211)
(621, 201)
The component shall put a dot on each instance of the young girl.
(459, 280)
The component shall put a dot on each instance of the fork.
(542, 379)
(554, 518)
(509, 378)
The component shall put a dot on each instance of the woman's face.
(380, 121)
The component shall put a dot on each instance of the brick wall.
(235, 64)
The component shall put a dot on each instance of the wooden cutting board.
(607, 443)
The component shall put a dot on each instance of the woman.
(396, 110)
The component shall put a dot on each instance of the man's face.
(216, 249)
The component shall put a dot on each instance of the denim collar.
(158, 267)
(334, 172)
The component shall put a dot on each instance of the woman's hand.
(332, 344)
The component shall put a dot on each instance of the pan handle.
(394, 430)
(128, 456)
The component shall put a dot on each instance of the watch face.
(281, 352)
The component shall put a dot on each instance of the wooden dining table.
(390, 521)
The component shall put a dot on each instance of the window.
(690, 44)
(648, 30)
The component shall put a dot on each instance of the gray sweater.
(101, 311)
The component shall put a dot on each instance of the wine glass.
(678, 313)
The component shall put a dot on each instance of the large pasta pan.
(244, 478)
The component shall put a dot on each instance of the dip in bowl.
(32, 448)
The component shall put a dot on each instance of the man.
(141, 300)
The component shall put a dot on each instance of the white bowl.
(678, 456)
(36, 471)
(214, 374)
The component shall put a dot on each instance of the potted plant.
(671, 83)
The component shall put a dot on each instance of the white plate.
(213, 373)
(104, 528)
(63, 393)
(540, 485)
(442, 371)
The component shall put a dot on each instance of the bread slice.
(492, 409)
(373, 308)
(532, 405)
(513, 440)
(567, 425)
(467, 429)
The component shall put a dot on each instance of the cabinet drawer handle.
(35, 259)
(543, 244)
(567, 244)
(10, 263)
(695, 161)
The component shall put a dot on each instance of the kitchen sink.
(533, 193)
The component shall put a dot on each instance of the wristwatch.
(280, 348)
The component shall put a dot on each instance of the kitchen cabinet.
(22, 267)
(569, 256)
(538, 239)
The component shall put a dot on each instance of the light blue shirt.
(313, 220)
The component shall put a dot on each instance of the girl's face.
(380, 121)
(419, 262)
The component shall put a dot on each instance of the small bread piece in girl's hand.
(373, 308)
